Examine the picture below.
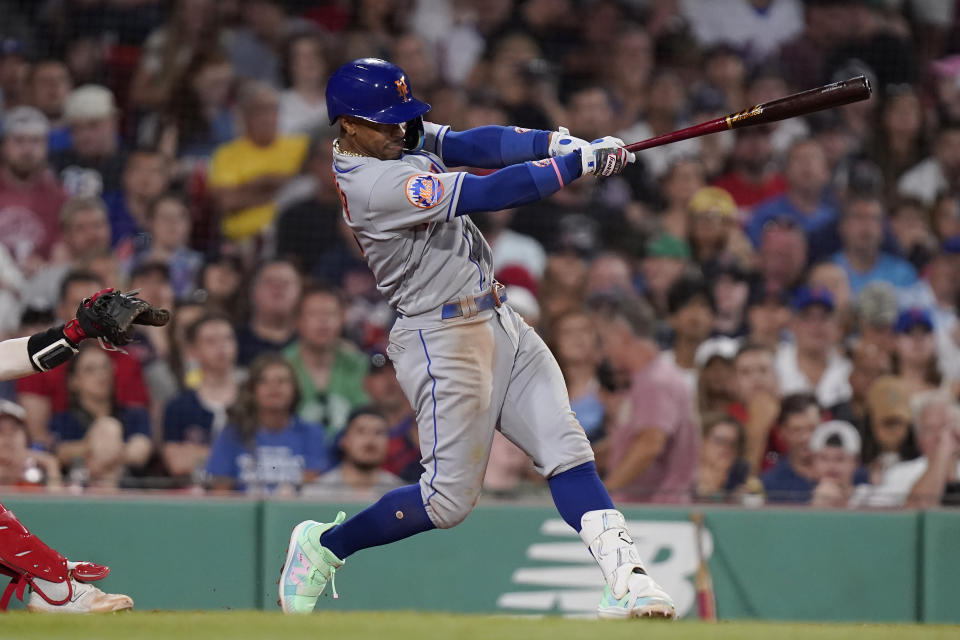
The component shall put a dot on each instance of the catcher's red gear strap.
(23, 557)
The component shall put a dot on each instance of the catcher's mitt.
(109, 315)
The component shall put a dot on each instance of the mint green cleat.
(644, 599)
(308, 567)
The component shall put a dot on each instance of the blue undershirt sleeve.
(517, 185)
(492, 147)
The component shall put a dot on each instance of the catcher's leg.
(56, 584)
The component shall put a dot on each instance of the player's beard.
(24, 170)
(365, 467)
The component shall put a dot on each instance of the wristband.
(53, 347)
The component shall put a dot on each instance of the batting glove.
(605, 157)
(562, 143)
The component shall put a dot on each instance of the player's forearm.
(492, 147)
(241, 197)
(757, 434)
(70, 450)
(137, 450)
(20, 357)
(14, 359)
(644, 450)
(928, 490)
(517, 185)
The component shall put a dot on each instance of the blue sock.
(378, 524)
(577, 491)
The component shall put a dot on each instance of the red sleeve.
(52, 384)
(131, 390)
(36, 383)
(737, 411)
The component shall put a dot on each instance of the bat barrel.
(826, 97)
(798, 104)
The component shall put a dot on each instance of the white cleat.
(84, 598)
(644, 599)
(629, 592)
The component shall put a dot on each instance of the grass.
(249, 625)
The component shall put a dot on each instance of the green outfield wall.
(775, 564)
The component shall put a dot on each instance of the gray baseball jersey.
(465, 376)
(403, 214)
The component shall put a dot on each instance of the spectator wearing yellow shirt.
(247, 173)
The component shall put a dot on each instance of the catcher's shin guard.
(24, 558)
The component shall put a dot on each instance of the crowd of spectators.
(761, 315)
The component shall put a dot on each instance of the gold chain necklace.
(336, 147)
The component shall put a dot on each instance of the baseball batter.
(56, 584)
(466, 361)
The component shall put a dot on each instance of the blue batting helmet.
(372, 89)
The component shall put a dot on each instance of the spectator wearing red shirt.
(654, 441)
(30, 196)
(752, 178)
(757, 405)
(44, 394)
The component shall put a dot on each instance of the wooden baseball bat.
(798, 104)
(703, 581)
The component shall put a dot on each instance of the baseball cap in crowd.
(366, 410)
(12, 409)
(667, 245)
(225, 255)
(89, 102)
(888, 397)
(12, 47)
(836, 433)
(25, 121)
(806, 297)
(708, 98)
(578, 233)
(151, 267)
(951, 245)
(948, 67)
(718, 347)
(379, 361)
(761, 294)
(723, 49)
(727, 266)
(911, 318)
(713, 201)
(516, 275)
(826, 121)
(877, 304)
(523, 302)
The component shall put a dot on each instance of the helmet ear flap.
(413, 138)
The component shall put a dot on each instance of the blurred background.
(772, 312)
(766, 319)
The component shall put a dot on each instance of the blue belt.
(481, 302)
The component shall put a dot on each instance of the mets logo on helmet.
(424, 191)
(402, 88)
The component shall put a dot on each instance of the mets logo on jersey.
(402, 88)
(424, 190)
